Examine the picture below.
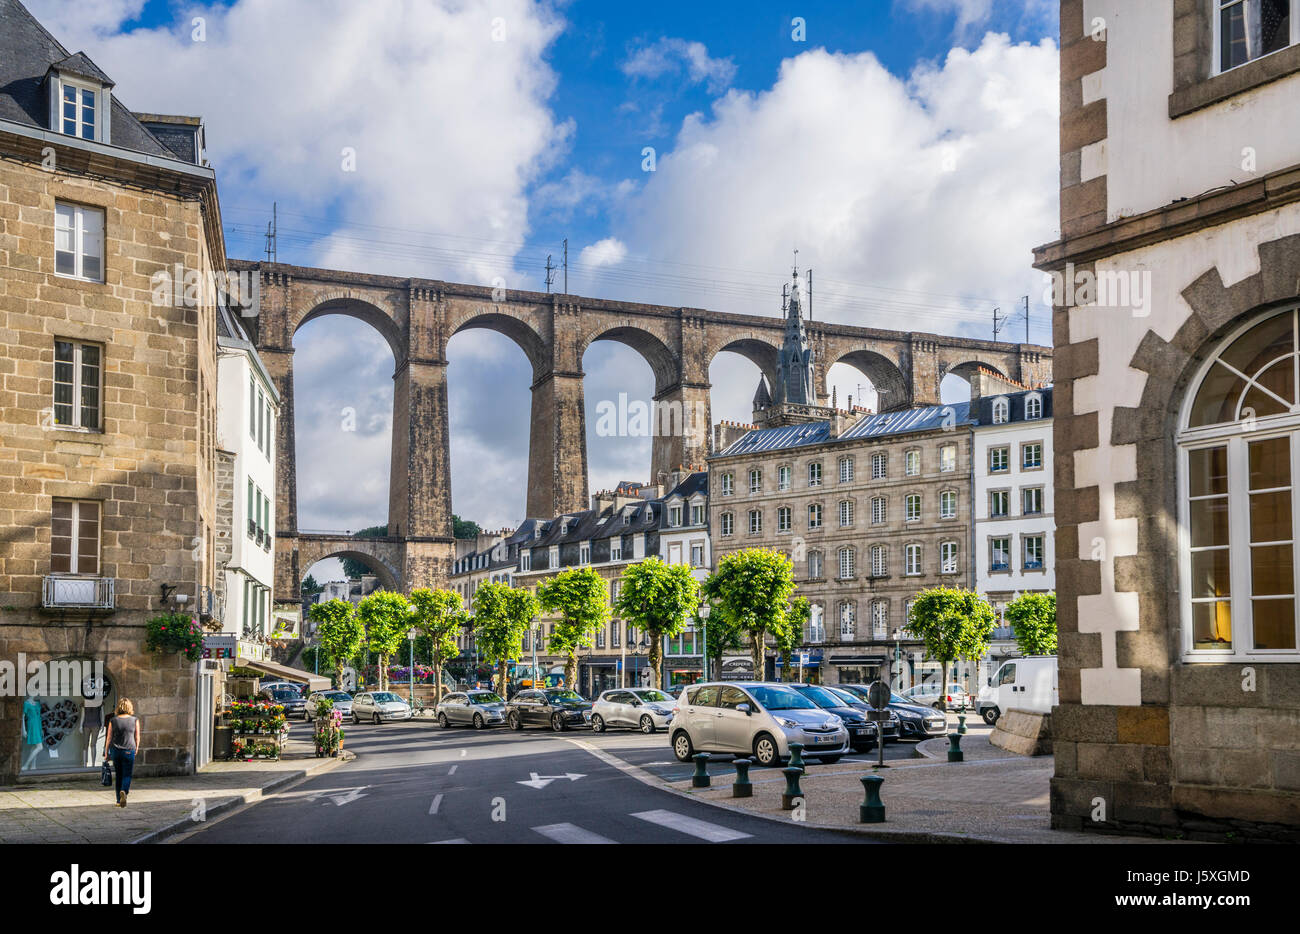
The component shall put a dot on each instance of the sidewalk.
(82, 811)
(992, 797)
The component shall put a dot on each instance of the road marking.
(463, 753)
(457, 840)
(571, 833)
(713, 833)
(452, 770)
(437, 800)
(541, 781)
(340, 799)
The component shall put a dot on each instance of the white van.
(1023, 683)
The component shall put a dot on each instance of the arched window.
(848, 563)
(1033, 406)
(1239, 457)
(1001, 410)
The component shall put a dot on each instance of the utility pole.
(997, 322)
(1026, 300)
(809, 293)
(550, 273)
(272, 228)
(566, 265)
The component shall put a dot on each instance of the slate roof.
(27, 52)
(697, 482)
(1016, 402)
(79, 64)
(924, 418)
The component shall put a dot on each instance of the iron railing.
(94, 593)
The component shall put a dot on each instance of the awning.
(815, 662)
(857, 659)
(313, 682)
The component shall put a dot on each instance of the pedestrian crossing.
(703, 830)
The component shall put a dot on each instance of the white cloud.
(968, 12)
(608, 252)
(670, 56)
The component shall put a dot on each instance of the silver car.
(644, 709)
(342, 703)
(754, 718)
(479, 709)
(379, 706)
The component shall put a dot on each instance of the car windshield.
(487, 697)
(651, 696)
(384, 697)
(774, 698)
(899, 699)
(820, 696)
(554, 696)
(846, 697)
(286, 695)
(337, 695)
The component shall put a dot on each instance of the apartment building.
(1176, 293)
(108, 402)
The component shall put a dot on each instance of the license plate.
(823, 739)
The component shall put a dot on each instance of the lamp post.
(703, 613)
(410, 672)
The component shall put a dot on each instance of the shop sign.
(219, 647)
(737, 668)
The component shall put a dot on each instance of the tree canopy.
(501, 616)
(338, 632)
(660, 599)
(440, 616)
(579, 599)
(750, 591)
(1033, 621)
(953, 623)
(386, 617)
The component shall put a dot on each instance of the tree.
(750, 590)
(659, 599)
(791, 636)
(501, 616)
(721, 636)
(580, 598)
(439, 615)
(1033, 620)
(338, 631)
(387, 618)
(351, 566)
(310, 588)
(953, 624)
(463, 528)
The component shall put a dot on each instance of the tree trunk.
(756, 650)
(383, 672)
(785, 666)
(501, 678)
(943, 688)
(655, 659)
(571, 671)
(437, 680)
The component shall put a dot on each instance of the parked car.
(342, 703)
(1024, 683)
(753, 718)
(914, 720)
(675, 691)
(646, 709)
(479, 709)
(379, 706)
(927, 695)
(853, 711)
(295, 705)
(558, 708)
(283, 686)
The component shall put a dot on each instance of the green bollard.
(872, 810)
(954, 748)
(961, 724)
(701, 777)
(792, 790)
(742, 787)
(796, 756)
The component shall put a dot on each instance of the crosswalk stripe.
(570, 833)
(457, 840)
(713, 833)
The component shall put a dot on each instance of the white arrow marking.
(437, 800)
(452, 770)
(541, 781)
(341, 799)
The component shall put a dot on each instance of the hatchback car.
(558, 708)
(753, 718)
(295, 705)
(927, 695)
(342, 703)
(644, 709)
(479, 709)
(379, 707)
(853, 711)
(914, 720)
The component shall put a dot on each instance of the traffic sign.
(878, 694)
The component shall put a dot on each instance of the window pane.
(1212, 625)
(1210, 573)
(1216, 400)
(1274, 623)
(1208, 471)
(1210, 522)
(1270, 517)
(1270, 464)
(1270, 570)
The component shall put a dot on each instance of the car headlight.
(788, 724)
(835, 721)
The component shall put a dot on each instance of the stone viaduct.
(418, 317)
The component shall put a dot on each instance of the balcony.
(1003, 633)
(252, 529)
(78, 593)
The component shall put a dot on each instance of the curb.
(235, 801)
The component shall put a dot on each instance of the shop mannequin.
(33, 735)
(91, 722)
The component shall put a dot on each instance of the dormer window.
(78, 110)
(80, 99)
(1001, 411)
(1033, 406)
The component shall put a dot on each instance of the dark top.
(124, 732)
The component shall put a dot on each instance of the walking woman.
(120, 745)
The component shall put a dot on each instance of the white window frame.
(816, 565)
(1024, 551)
(912, 463)
(948, 458)
(815, 517)
(79, 421)
(1004, 450)
(674, 516)
(756, 522)
(879, 510)
(845, 466)
(1216, 53)
(845, 512)
(74, 555)
(1025, 450)
(726, 524)
(755, 480)
(783, 519)
(848, 619)
(728, 483)
(1033, 406)
(1001, 410)
(815, 473)
(879, 466)
(948, 504)
(848, 560)
(79, 231)
(1037, 492)
(912, 507)
(912, 560)
(947, 557)
(100, 106)
(783, 478)
(880, 619)
(879, 561)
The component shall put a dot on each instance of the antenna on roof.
(272, 228)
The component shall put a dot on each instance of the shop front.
(65, 710)
(859, 669)
(596, 675)
(805, 668)
(682, 669)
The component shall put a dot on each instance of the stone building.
(1177, 425)
(107, 400)
(871, 509)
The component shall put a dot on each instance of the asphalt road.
(416, 783)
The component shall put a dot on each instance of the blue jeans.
(123, 765)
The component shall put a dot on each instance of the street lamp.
(703, 614)
(410, 674)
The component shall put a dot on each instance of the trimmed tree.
(439, 615)
(579, 597)
(1033, 621)
(501, 616)
(387, 617)
(953, 624)
(659, 599)
(721, 635)
(339, 633)
(751, 590)
(790, 637)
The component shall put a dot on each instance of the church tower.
(796, 384)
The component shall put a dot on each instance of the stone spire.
(795, 360)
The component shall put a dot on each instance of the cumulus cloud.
(608, 252)
(680, 57)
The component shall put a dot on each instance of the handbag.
(106, 774)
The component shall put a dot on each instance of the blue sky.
(907, 148)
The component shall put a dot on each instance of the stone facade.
(1159, 729)
(148, 462)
